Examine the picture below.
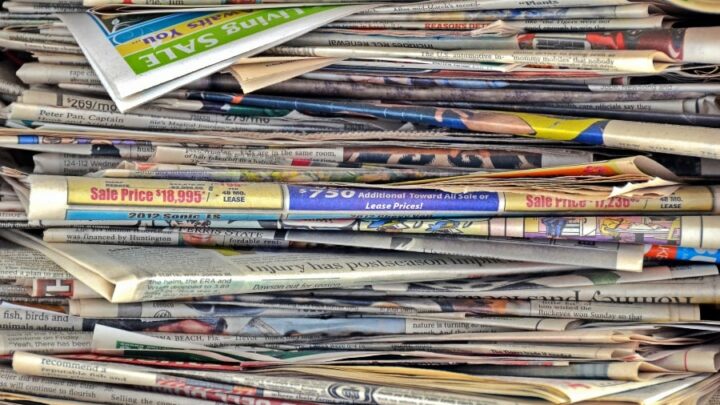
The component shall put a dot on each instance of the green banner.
(216, 36)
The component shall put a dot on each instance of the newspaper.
(29, 112)
(567, 351)
(27, 363)
(703, 105)
(9, 83)
(695, 141)
(612, 112)
(702, 290)
(627, 11)
(33, 8)
(151, 237)
(477, 83)
(685, 44)
(60, 59)
(10, 41)
(76, 198)
(257, 325)
(700, 358)
(18, 262)
(256, 73)
(73, 391)
(116, 8)
(43, 73)
(29, 36)
(627, 371)
(581, 25)
(688, 231)
(457, 5)
(136, 70)
(113, 341)
(506, 27)
(370, 298)
(416, 309)
(72, 165)
(140, 145)
(537, 308)
(411, 93)
(463, 157)
(553, 390)
(325, 391)
(683, 389)
(602, 255)
(179, 120)
(45, 342)
(12, 291)
(131, 280)
(627, 61)
(268, 173)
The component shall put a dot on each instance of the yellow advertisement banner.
(174, 193)
(686, 199)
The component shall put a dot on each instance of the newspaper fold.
(259, 72)
(143, 61)
(202, 272)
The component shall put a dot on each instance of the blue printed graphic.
(28, 139)
(121, 30)
(593, 135)
(377, 200)
(697, 255)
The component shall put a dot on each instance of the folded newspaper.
(140, 60)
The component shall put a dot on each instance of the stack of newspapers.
(294, 202)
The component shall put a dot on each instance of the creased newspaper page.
(98, 308)
(18, 262)
(75, 390)
(603, 255)
(701, 359)
(45, 341)
(160, 51)
(687, 231)
(112, 341)
(694, 290)
(27, 363)
(234, 272)
(686, 389)
(627, 61)
(543, 388)
(454, 5)
(256, 73)
(695, 141)
(501, 27)
(691, 45)
(651, 313)
(627, 11)
(143, 7)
